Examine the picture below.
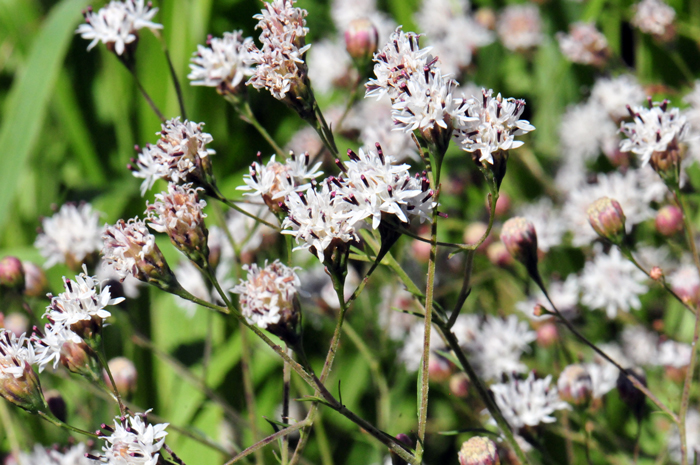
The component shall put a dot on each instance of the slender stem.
(688, 226)
(176, 81)
(56, 422)
(187, 296)
(483, 392)
(145, 95)
(173, 455)
(249, 389)
(233, 205)
(286, 379)
(9, 427)
(245, 112)
(260, 444)
(682, 66)
(105, 365)
(633, 379)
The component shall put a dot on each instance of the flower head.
(478, 451)
(491, 124)
(50, 345)
(180, 156)
(654, 17)
(18, 382)
(223, 63)
(132, 441)
(528, 402)
(520, 27)
(268, 298)
(69, 236)
(117, 24)
(575, 384)
(584, 44)
(178, 213)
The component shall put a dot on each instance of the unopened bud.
(547, 335)
(57, 404)
(24, 391)
(668, 163)
(16, 322)
(656, 273)
(439, 368)
(78, 358)
(11, 274)
(520, 238)
(630, 395)
(395, 459)
(35, 282)
(669, 220)
(361, 39)
(478, 451)
(498, 254)
(124, 374)
(607, 219)
(575, 385)
(459, 385)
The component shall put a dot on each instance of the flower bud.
(607, 219)
(459, 385)
(669, 220)
(439, 368)
(656, 273)
(16, 322)
(23, 391)
(667, 163)
(498, 254)
(35, 282)
(630, 395)
(57, 404)
(124, 374)
(520, 238)
(361, 39)
(11, 274)
(547, 335)
(478, 451)
(575, 385)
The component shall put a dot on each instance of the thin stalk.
(245, 112)
(145, 95)
(9, 427)
(233, 205)
(176, 81)
(685, 397)
(56, 422)
(105, 366)
(260, 444)
(633, 379)
(682, 66)
(286, 380)
(249, 389)
(187, 296)
(483, 392)
(173, 455)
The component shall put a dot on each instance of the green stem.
(249, 390)
(257, 447)
(245, 112)
(145, 95)
(233, 205)
(105, 366)
(286, 382)
(56, 422)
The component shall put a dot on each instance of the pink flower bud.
(607, 219)
(459, 385)
(656, 273)
(669, 220)
(35, 282)
(439, 368)
(16, 322)
(478, 451)
(547, 335)
(498, 254)
(361, 39)
(575, 385)
(11, 274)
(520, 238)
(124, 373)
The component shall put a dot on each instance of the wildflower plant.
(472, 242)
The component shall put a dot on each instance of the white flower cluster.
(223, 63)
(126, 244)
(117, 24)
(644, 348)
(74, 455)
(267, 293)
(528, 402)
(181, 150)
(16, 354)
(584, 44)
(279, 64)
(654, 129)
(132, 441)
(275, 181)
(70, 235)
(179, 214)
(371, 185)
(491, 124)
(653, 17)
(520, 27)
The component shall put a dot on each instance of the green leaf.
(27, 102)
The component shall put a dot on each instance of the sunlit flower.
(520, 27)
(654, 17)
(74, 455)
(528, 402)
(584, 44)
(132, 441)
(615, 93)
(223, 63)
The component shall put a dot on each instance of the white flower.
(614, 94)
(564, 294)
(399, 58)
(547, 221)
(223, 63)
(685, 282)
(16, 353)
(82, 300)
(126, 245)
(329, 65)
(318, 218)
(640, 345)
(584, 44)
(612, 283)
(654, 129)
(496, 348)
(653, 17)
(528, 402)
(603, 373)
(520, 27)
(673, 354)
(117, 24)
(279, 63)
(48, 347)
(74, 455)
(70, 235)
(268, 294)
(180, 152)
(491, 124)
(133, 442)
(586, 130)
(692, 433)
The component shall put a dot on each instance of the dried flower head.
(584, 44)
(178, 213)
(132, 441)
(70, 236)
(117, 24)
(180, 156)
(268, 299)
(223, 63)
